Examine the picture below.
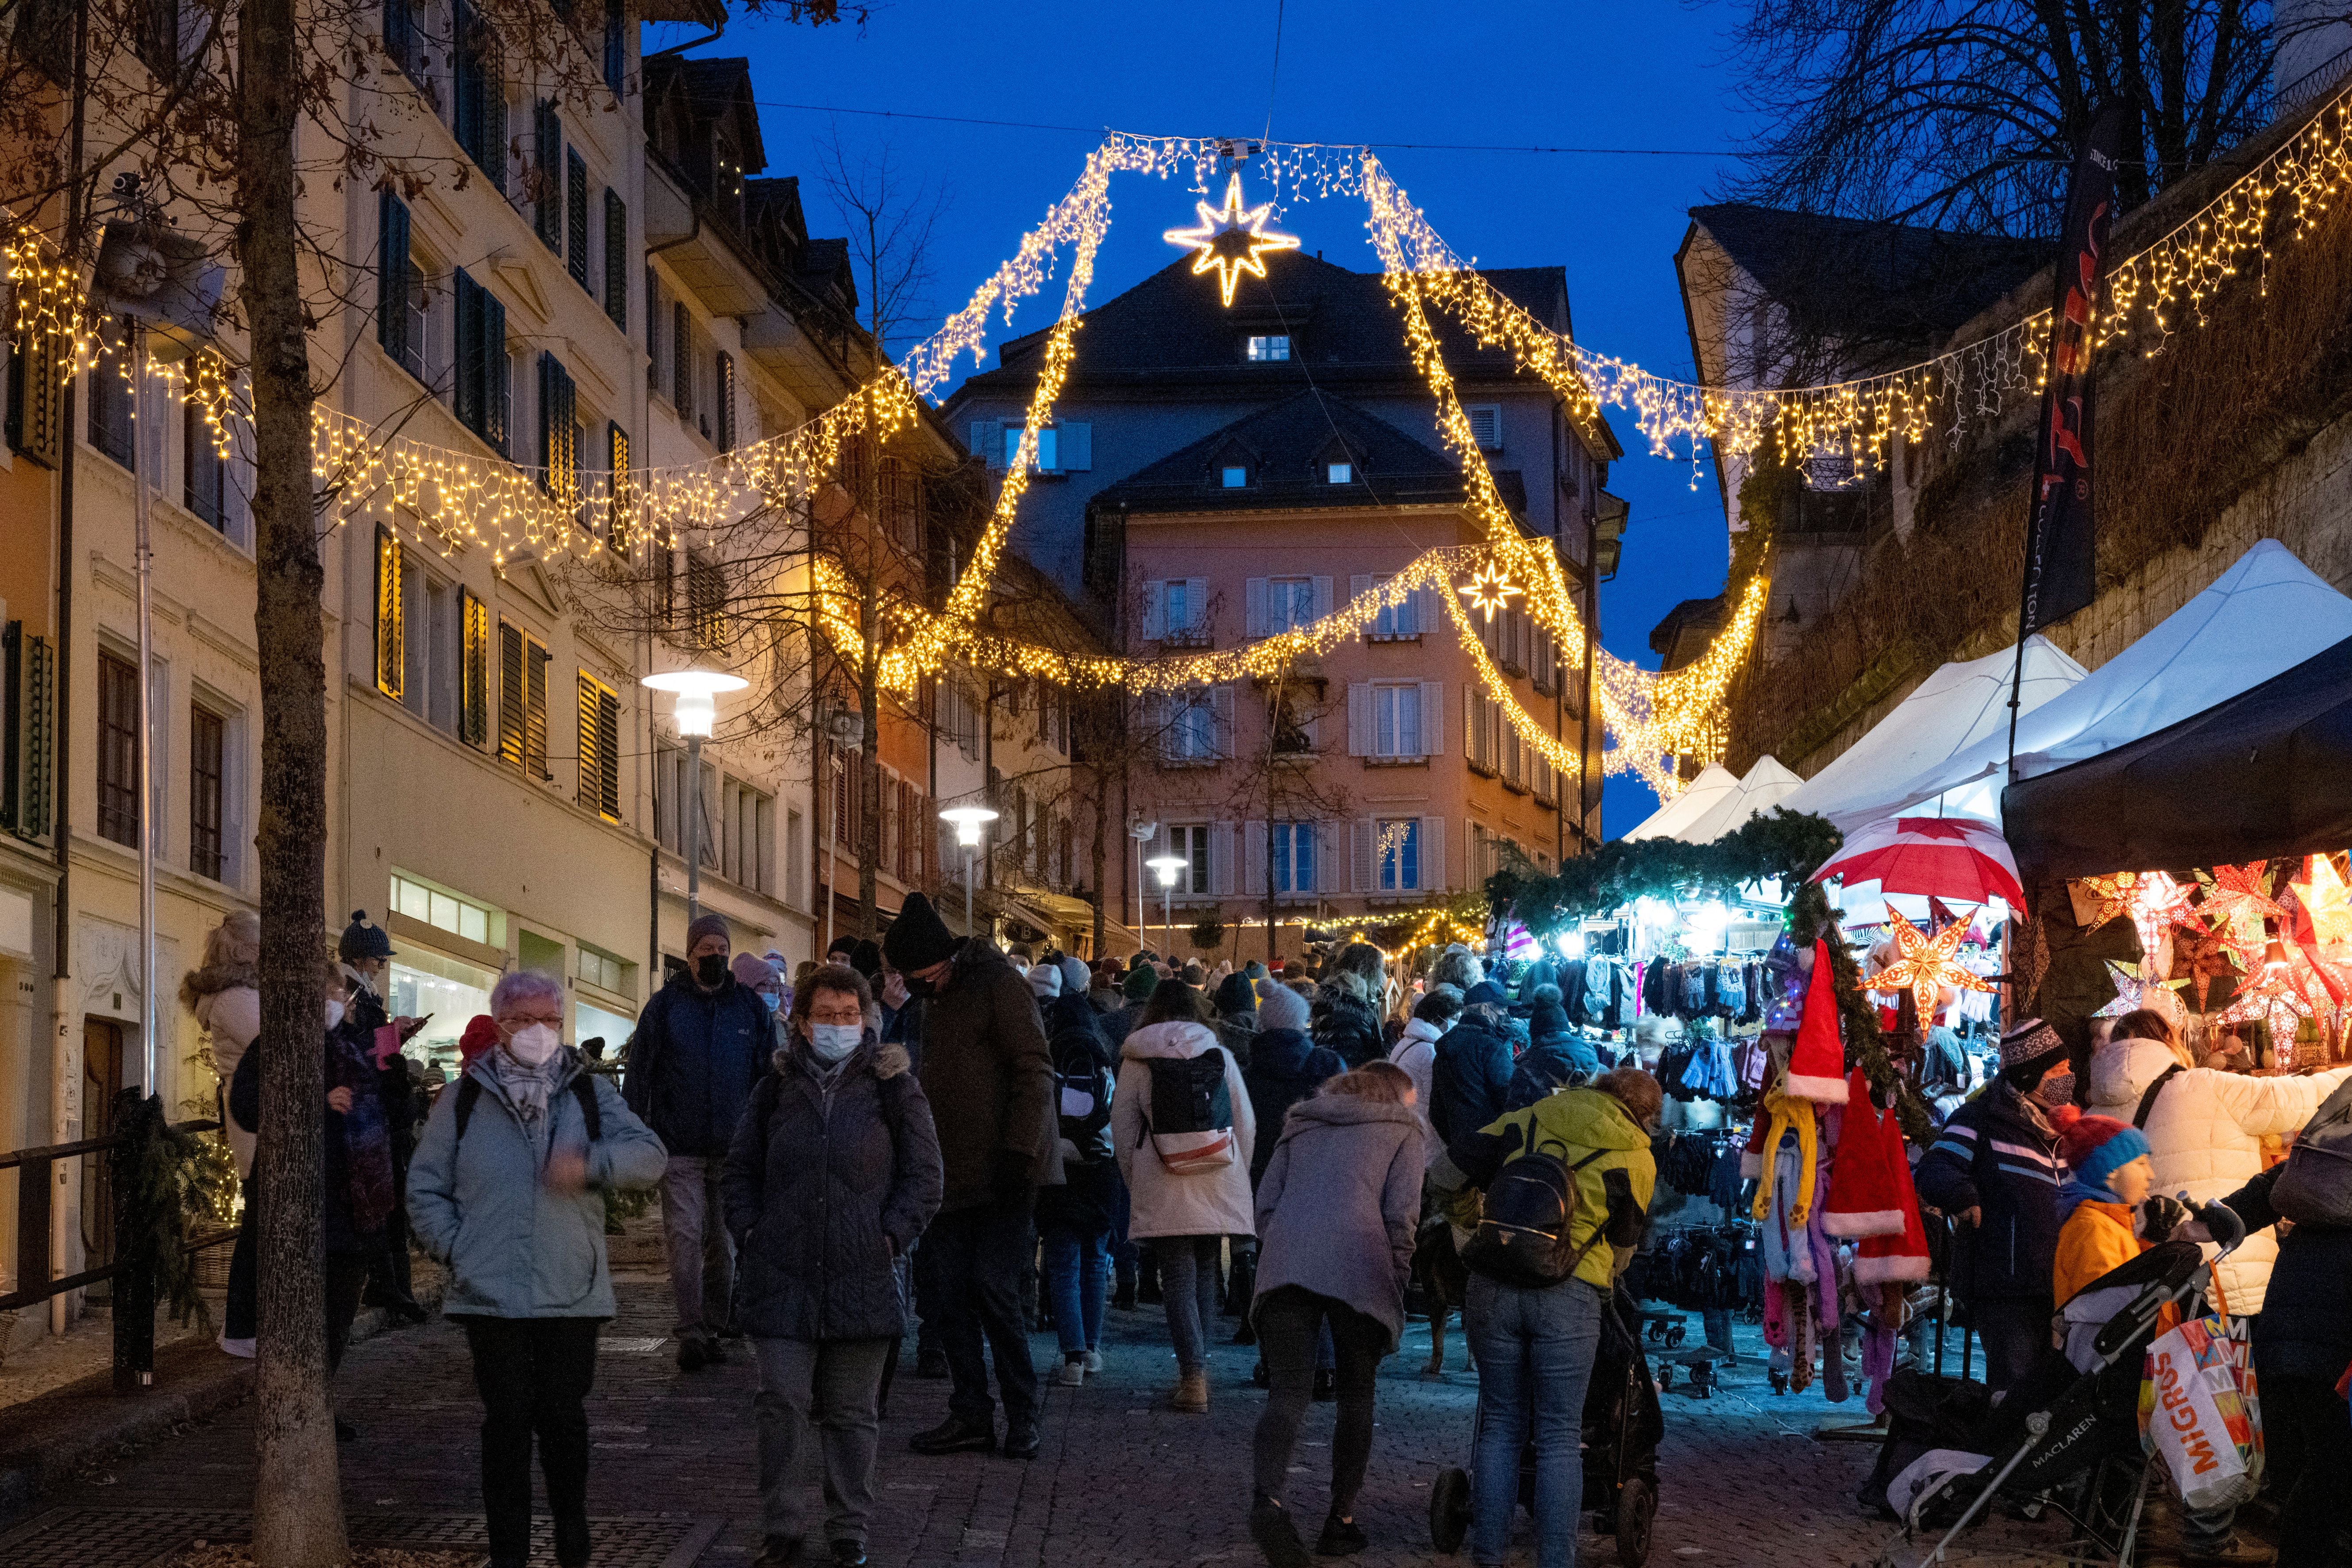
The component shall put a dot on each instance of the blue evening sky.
(1646, 74)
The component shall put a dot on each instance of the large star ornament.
(1924, 965)
(2325, 898)
(2136, 990)
(1233, 241)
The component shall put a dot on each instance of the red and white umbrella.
(1948, 856)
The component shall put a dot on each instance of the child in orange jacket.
(2110, 1178)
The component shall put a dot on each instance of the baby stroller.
(1622, 1423)
(2071, 1426)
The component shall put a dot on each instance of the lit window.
(1270, 349)
(1049, 446)
(439, 910)
(1402, 620)
(1289, 603)
(1236, 478)
(1340, 473)
(1294, 858)
(1397, 852)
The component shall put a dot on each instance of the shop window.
(444, 910)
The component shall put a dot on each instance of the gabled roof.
(1287, 447)
(707, 91)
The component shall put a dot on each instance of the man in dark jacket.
(1236, 1020)
(1344, 1022)
(1471, 1077)
(1556, 1058)
(986, 1068)
(1997, 1168)
(700, 1046)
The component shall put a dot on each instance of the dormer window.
(1236, 477)
(1269, 349)
(1339, 473)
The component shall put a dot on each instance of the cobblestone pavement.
(1122, 1481)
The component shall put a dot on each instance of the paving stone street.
(1122, 1481)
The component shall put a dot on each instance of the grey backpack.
(2315, 1187)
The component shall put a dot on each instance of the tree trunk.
(1101, 868)
(298, 1505)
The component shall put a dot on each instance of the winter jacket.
(1192, 1203)
(1416, 1053)
(1345, 1025)
(1587, 1121)
(1471, 1077)
(514, 1246)
(1557, 1056)
(1073, 1028)
(1339, 1203)
(986, 1066)
(692, 1061)
(2095, 1237)
(2307, 1332)
(829, 1180)
(229, 1009)
(2204, 1137)
(357, 1185)
(1286, 1068)
(1998, 1155)
(1237, 1032)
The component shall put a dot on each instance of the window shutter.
(1322, 598)
(616, 486)
(1078, 448)
(1254, 860)
(1155, 724)
(1432, 854)
(1253, 618)
(1155, 610)
(1196, 599)
(589, 766)
(497, 415)
(616, 52)
(37, 391)
(547, 163)
(474, 669)
(1470, 722)
(392, 274)
(494, 111)
(575, 215)
(534, 707)
(559, 454)
(511, 691)
(390, 652)
(1365, 834)
(1360, 719)
(1359, 585)
(681, 349)
(472, 378)
(725, 412)
(616, 259)
(400, 33)
(466, 87)
(1221, 859)
(656, 308)
(1328, 856)
(1222, 707)
(1432, 717)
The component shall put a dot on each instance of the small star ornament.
(1924, 965)
(1233, 240)
(1490, 591)
(2134, 991)
(2326, 900)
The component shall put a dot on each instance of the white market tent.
(2264, 615)
(1768, 784)
(1701, 796)
(1951, 710)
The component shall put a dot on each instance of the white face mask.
(334, 1013)
(533, 1043)
(831, 1042)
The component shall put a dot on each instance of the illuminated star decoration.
(1924, 965)
(2133, 992)
(1232, 241)
(2326, 900)
(1490, 591)
(2114, 895)
(2237, 901)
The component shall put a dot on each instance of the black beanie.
(1234, 994)
(918, 939)
(867, 958)
(363, 940)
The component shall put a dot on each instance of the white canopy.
(1768, 784)
(1701, 796)
(2265, 615)
(1952, 709)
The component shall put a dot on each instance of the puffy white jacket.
(1192, 1203)
(2205, 1136)
(232, 1019)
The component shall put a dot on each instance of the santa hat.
(1863, 1199)
(1901, 1257)
(1817, 1064)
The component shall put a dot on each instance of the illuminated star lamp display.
(2134, 992)
(1490, 591)
(1234, 240)
(1925, 964)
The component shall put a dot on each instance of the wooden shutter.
(575, 215)
(1221, 859)
(37, 393)
(1432, 854)
(496, 414)
(390, 647)
(547, 163)
(534, 711)
(510, 694)
(1432, 717)
(1221, 708)
(1361, 725)
(1364, 834)
(681, 349)
(600, 748)
(1470, 722)
(589, 737)
(723, 416)
(1253, 618)
(469, 394)
(1322, 598)
(392, 273)
(474, 669)
(1196, 604)
(559, 437)
(616, 463)
(400, 34)
(616, 259)
(1359, 585)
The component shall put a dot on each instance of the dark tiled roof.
(1285, 448)
(1890, 282)
(1699, 618)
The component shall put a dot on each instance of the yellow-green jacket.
(1585, 1120)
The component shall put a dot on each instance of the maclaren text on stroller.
(2070, 1426)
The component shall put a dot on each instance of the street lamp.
(1170, 868)
(968, 820)
(1142, 833)
(698, 714)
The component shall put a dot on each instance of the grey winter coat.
(823, 1191)
(1338, 1208)
(514, 1246)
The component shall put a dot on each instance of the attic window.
(1269, 349)
(1487, 425)
(1339, 473)
(1236, 477)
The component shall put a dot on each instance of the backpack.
(1083, 1098)
(2314, 1186)
(1526, 1216)
(583, 1086)
(1191, 1125)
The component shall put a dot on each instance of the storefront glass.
(451, 992)
(592, 1022)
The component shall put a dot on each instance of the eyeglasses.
(821, 1015)
(523, 1020)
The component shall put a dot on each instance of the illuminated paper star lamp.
(2327, 900)
(1233, 241)
(1923, 964)
(2114, 894)
(1490, 591)
(2133, 993)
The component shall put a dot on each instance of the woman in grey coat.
(1336, 1215)
(833, 1171)
(506, 1189)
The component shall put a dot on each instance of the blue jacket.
(1470, 1080)
(693, 1061)
(1557, 1057)
(1996, 1156)
(1285, 1068)
(514, 1246)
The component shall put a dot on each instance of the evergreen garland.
(172, 1179)
(1787, 845)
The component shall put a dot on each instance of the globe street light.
(968, 821)
(1169, 866)
(698, 714)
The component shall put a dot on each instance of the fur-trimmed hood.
(886, 1060)
(215, 978)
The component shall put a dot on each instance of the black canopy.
(2268, 773)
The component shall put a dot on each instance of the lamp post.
(698, 714)
(1169, 866)
(1142, 833)
(968, 821)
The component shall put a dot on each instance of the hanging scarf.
(2078, 1191)
(528, 1087)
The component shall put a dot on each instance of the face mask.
(2057, 1089)
(711, 968)
(534, 1044)
(334, 1013)
(1019, 967)
(922, 988)
(772, 1000)
(831, 1042)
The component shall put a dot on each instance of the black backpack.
(1526, 1216)
(1191, 1125)
(2314, 1186)
(1083, 1096)
(583, 1086)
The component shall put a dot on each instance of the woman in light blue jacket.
(506, 1192)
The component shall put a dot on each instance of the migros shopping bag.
(2199, 1410)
